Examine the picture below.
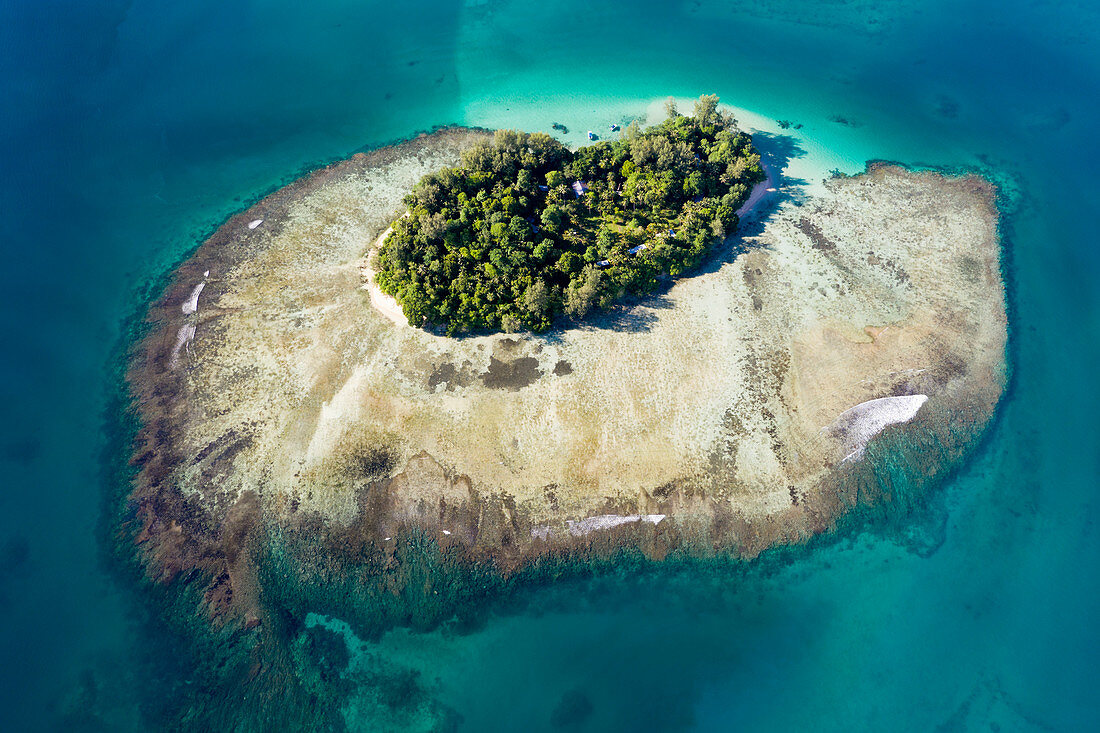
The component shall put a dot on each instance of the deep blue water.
(129, 129)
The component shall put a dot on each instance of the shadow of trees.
(640, 314)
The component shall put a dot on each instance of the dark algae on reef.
(525, 229)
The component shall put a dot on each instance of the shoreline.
(387, 305)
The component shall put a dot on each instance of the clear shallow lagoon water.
(131, 129)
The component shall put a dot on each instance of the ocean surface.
(130, 129)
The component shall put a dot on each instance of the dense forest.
(525, 229)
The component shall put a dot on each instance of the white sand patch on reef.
(192, 303)
(760, 191)
(857, 425)
(184, 336)
(387, 305)
(588, 525)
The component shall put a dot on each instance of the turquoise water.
(130, 129)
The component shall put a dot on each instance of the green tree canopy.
(525, 230)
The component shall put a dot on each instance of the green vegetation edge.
(526, 230)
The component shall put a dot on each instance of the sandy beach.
(760, 192)
(387, 305)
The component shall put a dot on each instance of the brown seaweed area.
(179, 537)
(292, 439)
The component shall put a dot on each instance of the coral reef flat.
(739, 409)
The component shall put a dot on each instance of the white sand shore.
(387, 305)
(760, 191)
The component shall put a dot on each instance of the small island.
(525, 229)
(301, 451)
